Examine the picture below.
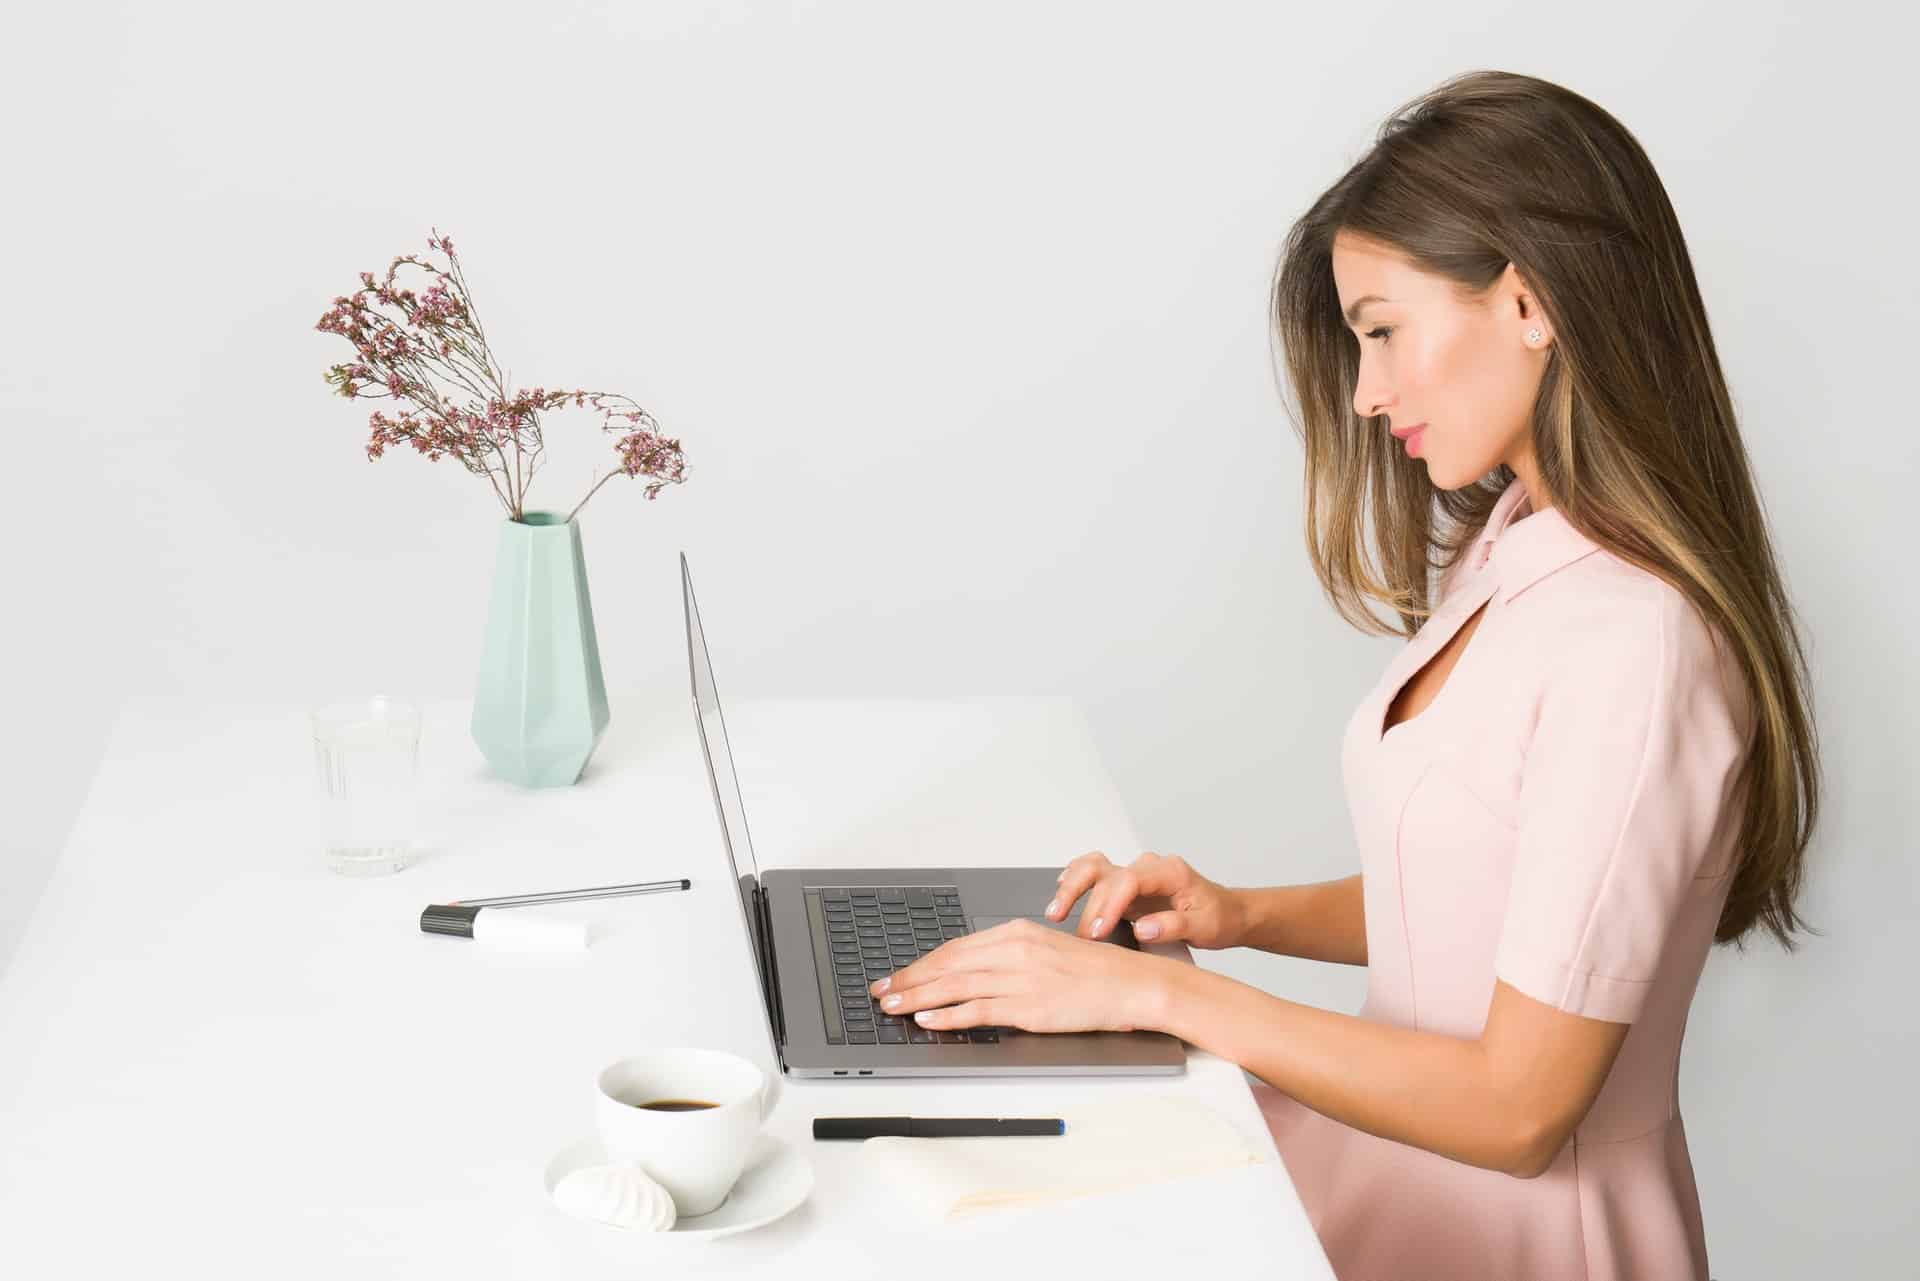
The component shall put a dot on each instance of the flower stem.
(591, 492)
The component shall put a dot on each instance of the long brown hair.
(1633, 431)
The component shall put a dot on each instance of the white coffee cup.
(697, 1155)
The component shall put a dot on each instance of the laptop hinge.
(776, 1011)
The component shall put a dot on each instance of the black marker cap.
(449, 918)
(861, 1127)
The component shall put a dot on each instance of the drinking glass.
(368, 754)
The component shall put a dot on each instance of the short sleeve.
(1623, 789)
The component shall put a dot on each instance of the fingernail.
(882, 986)
(1146, 931)
(1098, 921)
(1053, 907)
(921, 1016)
(892, 1002)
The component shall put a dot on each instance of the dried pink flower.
(447, 345)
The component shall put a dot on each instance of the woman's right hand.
(1163, 897)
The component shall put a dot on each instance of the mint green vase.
(540, 705)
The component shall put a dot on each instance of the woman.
(1594, 760)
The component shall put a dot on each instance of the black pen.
(458, 917)
(934, 1127)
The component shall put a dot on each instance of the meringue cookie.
(622, 1195)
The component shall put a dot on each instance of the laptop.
(820, 936)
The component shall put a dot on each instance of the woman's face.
(1465, 369)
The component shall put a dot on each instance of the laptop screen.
(726, 793)
(713, 737)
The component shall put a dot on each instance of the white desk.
(219, 1059)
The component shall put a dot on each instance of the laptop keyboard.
(865, 934)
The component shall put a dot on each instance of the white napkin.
(1137, 1141)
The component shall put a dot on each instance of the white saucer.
(778, 1177)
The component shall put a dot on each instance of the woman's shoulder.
(1605, 614)
(1616, 601)
(1579, 593)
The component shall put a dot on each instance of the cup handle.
(769, 1095)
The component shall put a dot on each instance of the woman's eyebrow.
(1353, 312)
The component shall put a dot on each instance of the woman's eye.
(1380, 333)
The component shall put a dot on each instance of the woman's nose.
(1370, 399)
(1368, 404)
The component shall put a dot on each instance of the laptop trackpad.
(1121, 934)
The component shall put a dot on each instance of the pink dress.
(1560, 817)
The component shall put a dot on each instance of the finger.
(1159, 926)
(1014, 946)
(1091, 856)
(964, 952)
(1064, 893)
(1156, 879)
(1094, 861)
(1109, 898)
(1080, 874)
(948, 989)
(991, 1012)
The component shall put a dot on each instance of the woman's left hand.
(1027, 975)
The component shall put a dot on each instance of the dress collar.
(1525, 549)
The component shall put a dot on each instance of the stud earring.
(1533, 335)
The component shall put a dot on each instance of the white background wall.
(959, 313)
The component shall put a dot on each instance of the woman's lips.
(1411, 435)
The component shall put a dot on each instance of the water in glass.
(368, 754)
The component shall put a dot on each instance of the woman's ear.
(1535, 330)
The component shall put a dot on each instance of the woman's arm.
(1506, 1101)
(1322, 922)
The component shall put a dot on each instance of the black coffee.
(678, 1105)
